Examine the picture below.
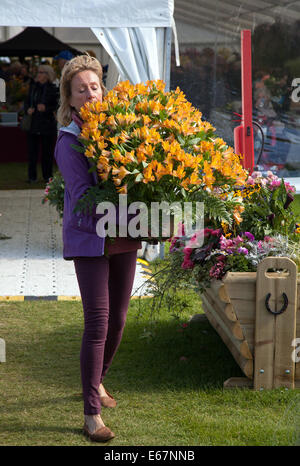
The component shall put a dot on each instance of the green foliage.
(54, 193)
(270, 211)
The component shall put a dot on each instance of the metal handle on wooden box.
(284, 307)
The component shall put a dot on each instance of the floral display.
(54, 193)
(154, 146)
(267, 227)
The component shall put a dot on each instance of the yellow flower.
(122, 189)
(194, 178)
(124, 136)
(179, 172)
(90, 151)
(121, 172)
(111, 122)
(114, 140)
(148, 175)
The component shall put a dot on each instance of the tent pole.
(167, 58)
(167, 79)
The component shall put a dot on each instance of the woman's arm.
(73, 166)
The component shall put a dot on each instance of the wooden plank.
(230, 313)
(241, 290)
(274, 333)
(245, 350)
(238, 382)
(223, 294)
(233, 327)
(297, 370)
(232, 344)
(245, 312)
(244, 382)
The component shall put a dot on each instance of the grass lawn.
(14, 176)
(167, 380)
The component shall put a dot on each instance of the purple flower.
(249, 235)
(243, 250)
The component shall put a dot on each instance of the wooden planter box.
(257, 315)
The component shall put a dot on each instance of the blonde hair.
(70, 69)
(49, 70)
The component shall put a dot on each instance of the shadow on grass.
(172, 355)
(39, 403)
(168, 354)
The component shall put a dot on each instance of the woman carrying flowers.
(105, 273)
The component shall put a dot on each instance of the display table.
(13, 144)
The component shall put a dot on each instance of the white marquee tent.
(135, 33)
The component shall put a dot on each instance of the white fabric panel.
(138, 53)
(91, 13)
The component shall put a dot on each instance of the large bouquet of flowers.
(153, 146)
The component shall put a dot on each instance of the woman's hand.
(30, 110)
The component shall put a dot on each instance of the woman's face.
(85, 87)
(42, 76)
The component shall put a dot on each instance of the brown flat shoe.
(101, 435)
(108, 401)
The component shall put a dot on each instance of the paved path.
(31, 263)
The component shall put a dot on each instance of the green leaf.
(139, 177)
(181, 140)
(78, 148)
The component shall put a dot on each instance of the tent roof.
(34, 41)
(89, 13)
(228, 17)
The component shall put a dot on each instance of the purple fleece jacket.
(79, 230)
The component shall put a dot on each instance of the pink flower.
(217, 270)
(275, 183)
(207, 231)
(250, 181)
(216, 232)
(225, 243)
(255, 175)
(187, 264)
(238, 240)
(180, 229)
(289, 187)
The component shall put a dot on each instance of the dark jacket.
(47, 94)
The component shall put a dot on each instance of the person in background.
(62, 58)
(24, 74)
(41, 103)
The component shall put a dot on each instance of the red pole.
(243, 134)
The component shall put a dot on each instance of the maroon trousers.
(105, 285)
